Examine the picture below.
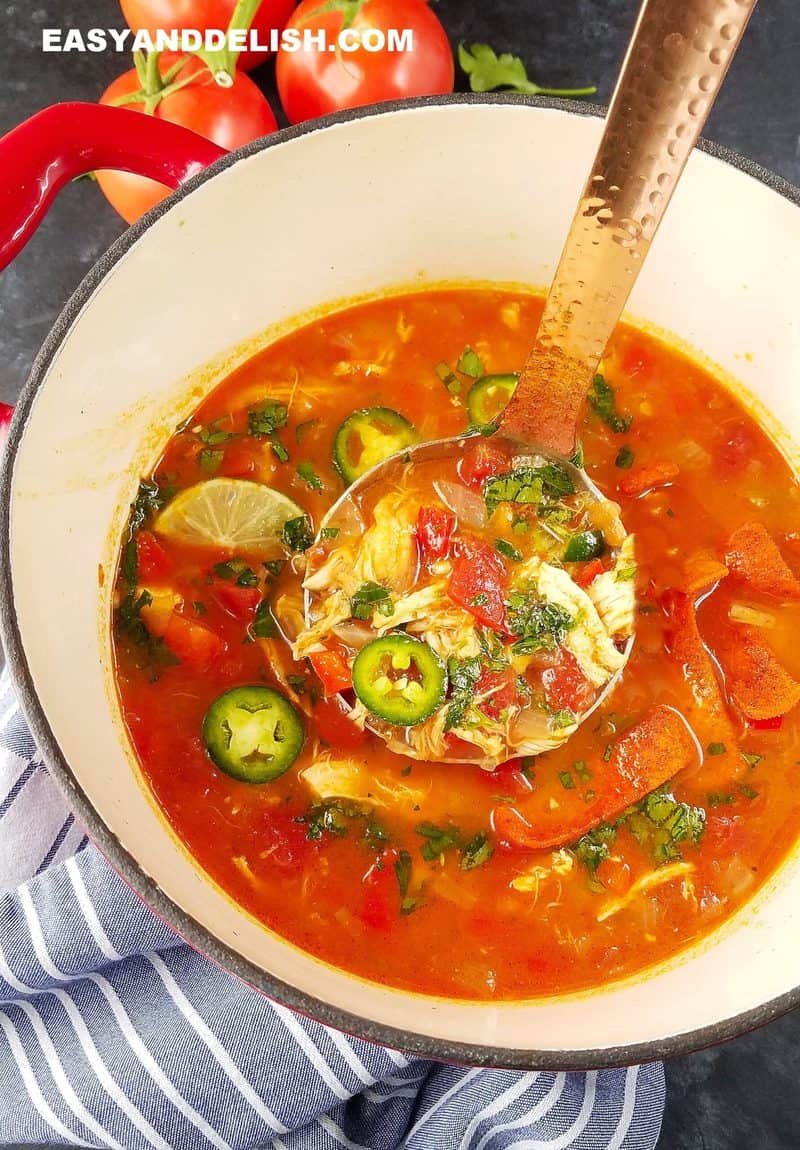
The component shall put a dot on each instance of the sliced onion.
(354, 635)
(468, 507)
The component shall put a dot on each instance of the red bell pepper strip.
(651, 475)
(435, 527)
(332, 671)
(753, 558)
(652, 752)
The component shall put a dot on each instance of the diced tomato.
(773, 724)
(195, 645)
(335, 728)
(332, 671)
(381, 891)
(460, 748)
(481, 461)
(479, 583)
(566, 686)
(642, 479)
(503, 685)
(153, 562)
(238, 461)
(737, 449)
(240, 602)
(586, 573)
(435, 527)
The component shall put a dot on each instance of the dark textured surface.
(741, 1096)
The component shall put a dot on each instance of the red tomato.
(315, 83)
(434, 529)
(177, 15)
(332, 671)
(479, 583)
(229, 117)
(504, 685)
(283, 842)
(637, 359)
(588, 572)
(152, 561)
(238, 461)
(481, 461)
(196, 646)
(381, 891)
(738, 448)
(240, 602)
(566, 686)
(6, 412)
(766, 724)
(334, 727)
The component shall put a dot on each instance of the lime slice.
(230, 515)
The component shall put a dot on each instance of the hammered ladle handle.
(674, 67)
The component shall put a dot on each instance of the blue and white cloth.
(115, 1033)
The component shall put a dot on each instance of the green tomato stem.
(222, 63)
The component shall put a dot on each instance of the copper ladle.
(674, 67)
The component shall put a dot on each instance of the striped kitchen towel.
(115, 1033)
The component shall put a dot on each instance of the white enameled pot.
(452, 190)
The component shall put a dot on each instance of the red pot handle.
(68, 140)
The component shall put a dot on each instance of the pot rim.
(125, 865)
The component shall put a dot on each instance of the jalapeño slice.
(488, 396)
(399, 679)
(253, 733)
(369, 436)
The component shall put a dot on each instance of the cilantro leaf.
(487, 71)
(603, 401)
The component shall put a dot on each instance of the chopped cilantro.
(329, 532)
(563, 718)
(279, 451)
(751, 760)
(527, 485)
(625, 457)
(438, 840)
(402, 869)
(370, 596)
(595, 846)
(603, 402)
(236, 569)
(476, 852)
(581, 770)
(536, 623)
(264, 421)
(297, 533)
(508, 550)
(608, 752)
(716, 799)
(716, 749)
(479, 600)
(275, 566)
(150, 498)
(210, 459)
(309, 476)
(567, 781)
(748, 791)
(464, 675)
(264, 625)
(213, 434)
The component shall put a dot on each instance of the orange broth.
(523, 923)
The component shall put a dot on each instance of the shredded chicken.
(614, 593)
(331, 778)
(656, 878)
(587, 639)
